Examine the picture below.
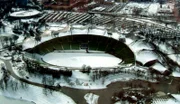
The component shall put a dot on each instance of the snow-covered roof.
(176, 74)
(159, 67)
(140, 45)
(165, 48)
(145, 56)
(175, 57)
(177, 97)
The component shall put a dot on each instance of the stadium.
(77, 51)
(90, 51)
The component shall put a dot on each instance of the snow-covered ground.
(93, 59)
(8, 100)
(81, 80)
(37, 95)
(29, 94)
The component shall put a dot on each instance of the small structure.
(25, 14)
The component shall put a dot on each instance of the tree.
(6, 40)
(121, 94)
(178, 88)
(45, 91)
(55, 33)
(161, 2)
(37, 38)
(11, 41)
(88, 68)
(83, 67)
(44, 80)
(15, 37)
(2, 84)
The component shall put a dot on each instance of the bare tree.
(37, 38)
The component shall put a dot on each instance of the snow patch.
(91, 98)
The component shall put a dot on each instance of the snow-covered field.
(93, 59)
